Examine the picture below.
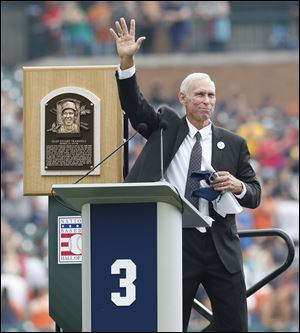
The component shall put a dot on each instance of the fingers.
(140, 41)
(119, 29)
(224, 182)
(122, 30)
(124, 26)
(132, 28)
(112, 31)
(221, 187)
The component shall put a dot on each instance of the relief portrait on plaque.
(69, 118)
(70, 144)
(68, 113)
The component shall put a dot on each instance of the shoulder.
(168, 113)
(61, 128)
(225, 133)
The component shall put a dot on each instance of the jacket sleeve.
(247, 175)
(134, 104)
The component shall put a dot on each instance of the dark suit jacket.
(234, 158)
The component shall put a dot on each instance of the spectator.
(176, 16)
(100, 16)
(149, 21)
(265, 214)
(217, 26)
(9, 313)
(126, 9)
(78, 35)
(52, 22)
(281, 39)
(39, 311)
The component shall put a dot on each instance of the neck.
(199, 124)
(69, 128)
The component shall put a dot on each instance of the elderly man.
(211, 257)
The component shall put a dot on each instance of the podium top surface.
(76, 195)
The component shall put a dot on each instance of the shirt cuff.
(126, 73)
(242, 194)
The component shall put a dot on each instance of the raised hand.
(126, 44)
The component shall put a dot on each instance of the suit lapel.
(217, 137)
(182, 133)
(217, 151)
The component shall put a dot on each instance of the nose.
(205, 99)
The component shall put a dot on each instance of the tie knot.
(198, 136)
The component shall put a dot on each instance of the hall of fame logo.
(69, 240)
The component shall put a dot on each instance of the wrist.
(126, 62)
(240, 188)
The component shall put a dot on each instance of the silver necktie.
(195, 165)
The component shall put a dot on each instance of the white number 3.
(126, 282)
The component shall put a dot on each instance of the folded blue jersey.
(207, 193)
(208, 176)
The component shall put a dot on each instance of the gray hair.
(194, 76)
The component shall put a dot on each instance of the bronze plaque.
(69, 133)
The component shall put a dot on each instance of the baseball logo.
(75, 244)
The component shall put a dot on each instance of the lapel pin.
(221, 145)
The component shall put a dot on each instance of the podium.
(131, 272)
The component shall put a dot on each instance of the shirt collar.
(205, 131)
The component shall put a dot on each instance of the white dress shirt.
(126, 73)
(177, 172)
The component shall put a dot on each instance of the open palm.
(126, 44)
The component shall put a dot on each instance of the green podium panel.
(64, 279)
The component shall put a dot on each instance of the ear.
(182, 97)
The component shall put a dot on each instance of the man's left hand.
(227, 183)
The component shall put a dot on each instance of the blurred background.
(251, 51)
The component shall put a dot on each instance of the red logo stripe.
(68, 253)
(69, 235)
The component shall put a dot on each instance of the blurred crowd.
(70, 28)
(24, 222)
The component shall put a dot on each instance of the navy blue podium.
(131, 254)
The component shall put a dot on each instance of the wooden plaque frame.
(99, 80)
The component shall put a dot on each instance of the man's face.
(68, 117)
(199, 101)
